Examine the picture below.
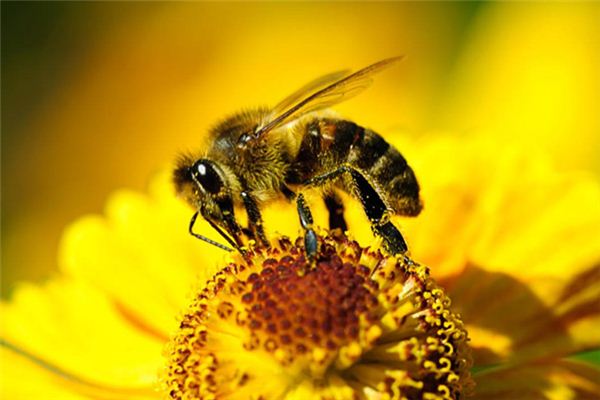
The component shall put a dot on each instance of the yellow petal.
(45, 385)
(74, 327)
(562, 380)
(141, 253)
(501, 208)
(45, 381)
(516, 244)
(507, 322)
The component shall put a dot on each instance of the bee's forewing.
(322, 93)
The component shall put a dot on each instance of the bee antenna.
(204, 238)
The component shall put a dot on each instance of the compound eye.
(206, 175)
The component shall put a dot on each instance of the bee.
(257, 156)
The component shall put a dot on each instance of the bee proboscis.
(256, 156)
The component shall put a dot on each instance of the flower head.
(355, 323)
(365, 324)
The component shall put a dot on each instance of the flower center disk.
(354, 324)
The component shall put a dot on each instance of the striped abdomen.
(329, 144)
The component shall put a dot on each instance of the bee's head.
(203, 185)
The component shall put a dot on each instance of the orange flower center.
(354, 323)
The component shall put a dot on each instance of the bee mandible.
(257, 156)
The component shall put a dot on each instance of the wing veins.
(330, 90)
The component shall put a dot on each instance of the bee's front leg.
(204, 238)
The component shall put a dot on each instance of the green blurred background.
(98, 96)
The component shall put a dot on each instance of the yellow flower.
(356, 323)
(515, 245)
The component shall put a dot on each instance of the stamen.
(354, 322)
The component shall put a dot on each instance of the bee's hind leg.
(377, 213)
(335, 207)
(306, 220)
(255, 219)
(373, 205)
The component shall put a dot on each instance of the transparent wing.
(322, 93)
(306, 90)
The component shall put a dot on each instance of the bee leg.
(204, 238)
(306, 220)
(373, 205)
(376, 211)
(235, 241)
(335, 207)
(254, 218)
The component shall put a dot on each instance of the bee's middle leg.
(254, 218)
(306, 220)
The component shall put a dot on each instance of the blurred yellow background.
(99, 96)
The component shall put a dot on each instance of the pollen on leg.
(353, 324)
